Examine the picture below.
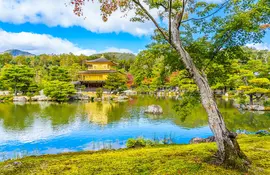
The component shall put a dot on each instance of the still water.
(50, 128)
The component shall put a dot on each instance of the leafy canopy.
(116, 81)
(59, 90)
(17, 77)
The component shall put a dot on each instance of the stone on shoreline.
(19, 99)
(154, 109)
(250, 107)
(80, 96)
(262, 132)
(196, 140)
(122, 97)
(40, 98)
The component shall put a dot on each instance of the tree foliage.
(58, 73)
(116, 82)
(238, 23)
(18, 78)
(59, 90)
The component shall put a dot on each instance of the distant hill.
(114, 56)
(16, 52)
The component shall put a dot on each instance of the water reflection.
(52, 128)
(18, 117)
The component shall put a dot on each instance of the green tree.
(59, 90)
(182, 80)
(99, 92)
(256, 89)
(142, 66)
(250, 79)
(239, 22)
(58, 73)
(158, 74)
(73, 71)
(116, 81)
(18, 78)
(5, 58)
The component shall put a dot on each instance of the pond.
(50, 128)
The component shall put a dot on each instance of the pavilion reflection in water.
(98, 112)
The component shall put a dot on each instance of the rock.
(242, 132)
(236, 105)
(196, 140)
(4, 92)
(250, 107)
(256, 107)
(243, 106)
(40, 98)
(210, 139)
(98, 99)
(19, 99)
(130, 92)
(154, 109)
(80, 96)
(263, 132)
(17, 164)
(122, 97)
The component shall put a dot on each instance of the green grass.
(166, 159)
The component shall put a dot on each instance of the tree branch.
(137, 2)
(198, 19)
(162, 5)
(182, 13)
(179, 16)
(214, 53)
(170, 21)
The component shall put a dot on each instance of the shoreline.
(162, 159)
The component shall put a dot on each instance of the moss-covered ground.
(166, 159)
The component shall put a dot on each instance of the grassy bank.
(170, 159)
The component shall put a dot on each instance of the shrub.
(99, 92)
(242, 98)
(139, 143)
(267, 103)
(6, 98)
(58, 90)
(92, 99)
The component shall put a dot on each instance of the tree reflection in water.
(21, 116)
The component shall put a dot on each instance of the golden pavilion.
(97, 72)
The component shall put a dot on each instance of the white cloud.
(39, 43)
(56, 13)
(60, 13)
(43, 43)
(259, 46)
(114, 49)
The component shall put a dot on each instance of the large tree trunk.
(229, 152)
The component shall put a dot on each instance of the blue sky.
(83, 38)
(49, 26)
